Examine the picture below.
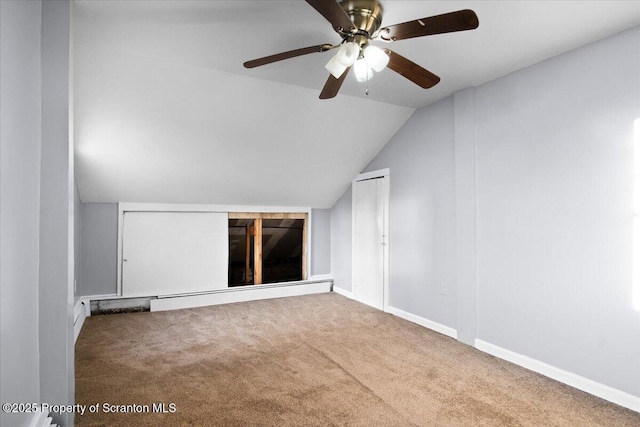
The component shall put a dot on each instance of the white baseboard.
(240, 294)
(321, 277)
(101, 297)
(429, 324)
(81, 310)
(581, 383)
(41, 419)
(343, 292)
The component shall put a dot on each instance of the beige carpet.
(317, 360)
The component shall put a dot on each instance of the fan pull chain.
(366, 88)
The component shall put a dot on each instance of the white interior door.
(370, 198)
(174, 252)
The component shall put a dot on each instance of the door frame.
(381, 173)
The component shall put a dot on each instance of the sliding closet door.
(174, 252)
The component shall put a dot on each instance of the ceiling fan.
(358, 22)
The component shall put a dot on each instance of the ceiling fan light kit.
(348, 53)
(362, 70)
(335, 67)
(376, 58)
(365, 61)
(346, 56)
(358, 22)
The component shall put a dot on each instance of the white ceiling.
(165, 112)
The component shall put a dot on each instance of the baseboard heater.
(118, 304)
(81, 310)
(121, 305)
(240, 294)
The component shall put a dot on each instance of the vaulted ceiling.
(165, 112)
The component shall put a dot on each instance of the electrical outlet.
(443, 288)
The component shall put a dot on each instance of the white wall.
(521, 191)
(19, 204)
(141, 106)
(56, 297)
(37, 208)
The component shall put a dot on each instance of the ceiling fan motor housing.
(366, 15)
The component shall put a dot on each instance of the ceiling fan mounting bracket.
(383, 35)
(366, 15)
(361, 38)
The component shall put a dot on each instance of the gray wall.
(56, 214)
(341, 241)
(99, 241)
(554, 147)
(465, 179)
(320, 241)
(422, 214)
(20, 105)
(524, 188)
(77, 240)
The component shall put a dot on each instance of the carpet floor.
(317, 360)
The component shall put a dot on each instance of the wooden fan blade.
(447, 23)
(412, 71)
(334, 13)
(332, 86)
(286, 55)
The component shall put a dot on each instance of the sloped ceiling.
(164, 111)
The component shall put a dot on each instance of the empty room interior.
(321, 212)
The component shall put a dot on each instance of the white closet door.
(174, 252)
(369, 241)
